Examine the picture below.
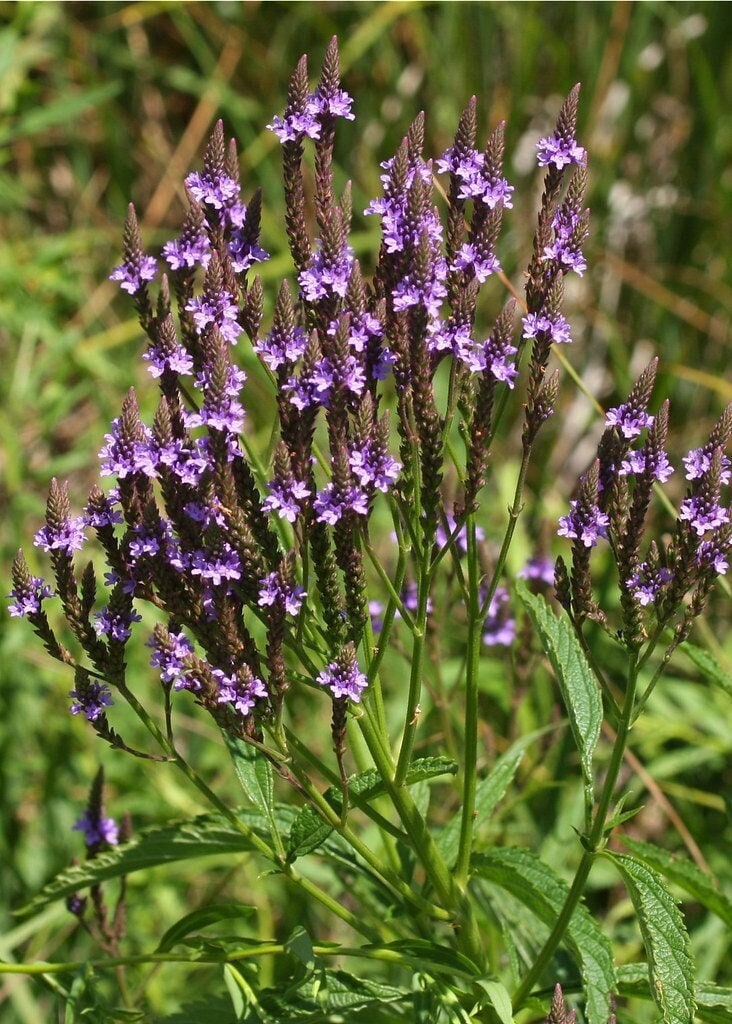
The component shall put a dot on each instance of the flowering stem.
(411, 717)
(471, 710)
(592, 843)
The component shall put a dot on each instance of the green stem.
(592, 843)
(467, 819)
(411, 718)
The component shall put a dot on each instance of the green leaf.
(521, 873)
(500, 1000)
(201, 918)
(580, 691)
(714, 1003)
(489, 792)
(686, 875)
(670, 970)
(212, 1010)
(428, 955)
(203, 836)
(708, 666)
(255, 775)
(254, 772)
(308, 832)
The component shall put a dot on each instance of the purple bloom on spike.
(240, 689)
(188, 252)
(374, 467)
(176, 361)
(703, 514)
(28, 597)
(628, 419)
(714, 555)
(564, 247)
(327, 276)
(647, 584)
(273, 591)
(470, 258)
(637, 463)
(97, 830)
(104, 514)
(133, 273)
(561, 152)
(555, 326)
(699, 461)
(216, 568)
(91, 700)
(217, 191)
(115, 625)
(170, 651)
(287, 499)
(331, 504)
(295, 125)
(245, 252)
(499, 629)
(343, 677)
(67, 536)
(587, 525)
(223, 311)
(331, 103)
(277, 350)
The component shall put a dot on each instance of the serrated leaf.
(253, 771)
(201, 918)
(686, 875)
(308, 832)
(500, 1000)
(526, 877)
(489, 792)
(665, 938)
(203, 836)
(578, 685)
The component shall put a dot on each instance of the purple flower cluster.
(320, 106)
(91, 700)
(343, 677)
(97, 830)
(499, 628)
(585, 523)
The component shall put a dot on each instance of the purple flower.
(647, 583)
(474, 182)
(115, 624)
(554, 149)
(97, 829)
(286, 499)
(331, 103)
(343, 677)
(565, 247)
(376, 610)
(699, 461)
(410, 599)
(374, 467)
(67, 536)
(554, 325)
(28, 597)
(273, 590)
(278, 348)
(215, 190)
(170, 651)
(628, 419)
(161, 361)
(90, 699)
(188, 251)
(584, 524)
(245, 252)
(103, 514)
(491, 356)
(483, 265)
(122, 457)
(703, 514)
(713, 554)
(327, 274)
(240, 689)
(222, 311)
(637, 463)
(539, 568)
(133, 273)
(331, 504)
(499, 629)
(216, 567)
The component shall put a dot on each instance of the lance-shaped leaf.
(685, 874)
(203, 836)
(202, 918)
(670, 969)
(526, 877)
(580, 691)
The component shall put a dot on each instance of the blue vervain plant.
(303, 580)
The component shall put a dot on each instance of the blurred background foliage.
(103, 103)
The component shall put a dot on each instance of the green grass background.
(101, 104)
